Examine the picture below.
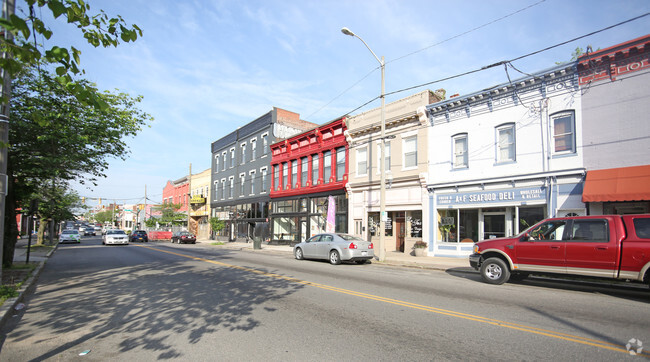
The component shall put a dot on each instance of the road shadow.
(155, 304)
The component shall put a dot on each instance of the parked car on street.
(70, 236)
(139, 235)
(98, 230)
(335, 248)
(115, 236)
(183, 237)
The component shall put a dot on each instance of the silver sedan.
(335, 248)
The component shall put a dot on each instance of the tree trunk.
(11, 226)
(41, 232)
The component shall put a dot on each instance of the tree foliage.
(104, 217)
(55, 139)
(170, 215)
(217, 224)
(97, 29)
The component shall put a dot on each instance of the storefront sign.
(197, 199)
(515, 195)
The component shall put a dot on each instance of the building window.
(242, 179)
(460, 150)
(232, 157)
(243, 153)
(314, 170)
(263, 180)
(506, 143)
(252, 173)
(564, 132)
(340, 163)
(294, 173)
(304, 172)
(216, 190)
(386, 158)
(276, 176)
(223, 188)
(216, 164)
(223, 159)
(285, 176)
(327, 166)
(232, 187)
(410, 146)
(362, 161)
(253, 149)
(265, 144)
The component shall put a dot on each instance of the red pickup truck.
(605, 246)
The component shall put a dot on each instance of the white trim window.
(216, 190)
(315, 170)
(386, 156)
(362, 161)
(294, 174)
(252, 176)
(232, 186)
(264, 182)
(242, 181)
(564, 140)
(304, 172)
(223, 188)
(285, 176)
(223, 158)
(340, 163)
(410, 147)
(265, 144)
(253, 149)
(216, 163)
(506, 145)
(459, 151)
(243, 153)
(327, 166)
(232, 157)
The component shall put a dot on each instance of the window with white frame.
(327, 166)
(265, 144)
(314, 170)
(263, 190)
(386, 156)
(252, 177)
(232, 186)
(340, 163)
(285, 176)
(243, 153)
(506, 143)
(216, 163)
(276, 176)
(253, 149)
(410, 147)
(232, 157)
(223, 188)
(242, 182)
(216, 190)
(564, 132)
(459, 151)
(304, 171)
(362, 161)
(294, 173)
(223, 159)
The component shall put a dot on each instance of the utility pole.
(189, 195)
(8, 9)
(145, 206)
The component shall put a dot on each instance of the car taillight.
(371, 246)
(352, 246)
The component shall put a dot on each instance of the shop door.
(400, 226)
(494, 225)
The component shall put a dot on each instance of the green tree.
(98, 30)
(216, 224)
(104, 217)
(58, 205)
(54, 139)
(170, 215)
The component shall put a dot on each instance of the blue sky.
(206, 67)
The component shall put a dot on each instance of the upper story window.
(410, 146)
(232, 157)
(243, 153)
(216, 190)
(340, 163)
(386, 156)
(265, 144)
(327, 166)
(304, 172)
(505, 143)
(294, 173)
(253, 149)
(232, 186)
(362, 161)
(263, 180)
(252, 173)
(314, 170)
(459, 151)
(216, 163)
(276, 176)
(564, 132)
(223, 188)
(285, 176)
(242, 179)
(223, 159)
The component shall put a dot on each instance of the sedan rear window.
(349, 237)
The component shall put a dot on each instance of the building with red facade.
(306, 169)
(177, 192)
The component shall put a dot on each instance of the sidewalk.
(392, 258)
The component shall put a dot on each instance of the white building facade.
(504, 158)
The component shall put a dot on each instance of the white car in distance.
(115, 236)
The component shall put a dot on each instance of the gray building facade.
(241, 174)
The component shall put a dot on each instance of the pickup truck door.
(591, 249)
(543, 249)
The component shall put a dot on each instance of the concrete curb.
(8, 308)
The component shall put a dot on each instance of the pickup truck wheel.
(495, 271)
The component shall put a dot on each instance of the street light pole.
(382, 162)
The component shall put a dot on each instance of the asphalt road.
(160, 301)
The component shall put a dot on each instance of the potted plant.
(445, 231)
(420, 248)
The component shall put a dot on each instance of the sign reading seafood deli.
(510, 196)
(197, 199)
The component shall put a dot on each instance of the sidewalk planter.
(420, 249)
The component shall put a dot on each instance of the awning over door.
(617, 184)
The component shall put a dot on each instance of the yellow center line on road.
(471, 317)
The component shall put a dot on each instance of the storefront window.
(529, 216)
(416, 224)
(285, 229)
(447, 226)
(468, 225)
